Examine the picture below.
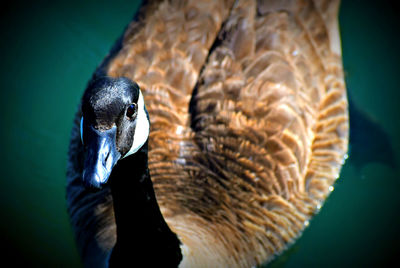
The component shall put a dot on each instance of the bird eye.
(131, 111)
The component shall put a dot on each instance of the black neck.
(143, 236)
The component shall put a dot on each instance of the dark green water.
(49, 51)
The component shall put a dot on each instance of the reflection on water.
(369, 142)
(50, 52)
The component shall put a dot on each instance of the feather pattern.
(249, 125)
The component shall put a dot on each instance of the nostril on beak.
(106, 158)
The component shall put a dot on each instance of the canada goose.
(237, 111)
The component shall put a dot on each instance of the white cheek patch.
(142, 129)
(82, 129)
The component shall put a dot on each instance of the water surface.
(49, 51)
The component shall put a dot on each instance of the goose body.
(248, 130)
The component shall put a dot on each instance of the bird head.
(114, 125)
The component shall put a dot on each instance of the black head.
(114, 124)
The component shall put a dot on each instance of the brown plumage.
(239, 173)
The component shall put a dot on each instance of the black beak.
(101, 156)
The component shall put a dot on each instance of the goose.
(210, 135)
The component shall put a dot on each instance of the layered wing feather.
(270, 119)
